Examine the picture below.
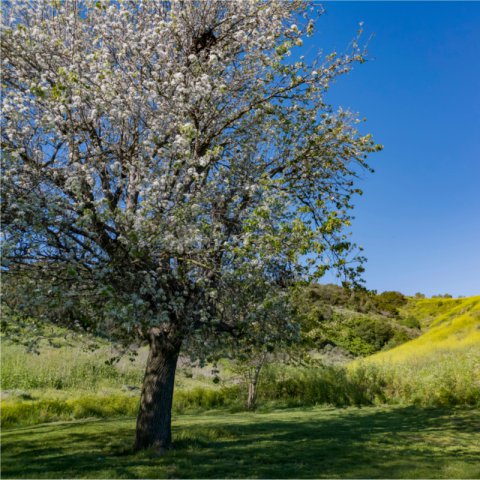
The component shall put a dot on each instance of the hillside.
(356, 322)
(451, 325)
(441, 366)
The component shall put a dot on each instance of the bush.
(359, 334)
(313, 386)
(358, 321)
(411, 322)
(390, 302)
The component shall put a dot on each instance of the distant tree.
(419, 295)
(269, 334)
(157, 154)
(329, 294)
(389, 302)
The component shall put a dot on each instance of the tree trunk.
(154, 429)
(252, 396)
(252, 387)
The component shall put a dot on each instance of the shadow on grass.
(361, 443)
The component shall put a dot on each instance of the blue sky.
(419, 218)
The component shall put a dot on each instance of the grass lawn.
(373, 442)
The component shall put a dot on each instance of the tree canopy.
(157, 155)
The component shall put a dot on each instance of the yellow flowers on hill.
(453, 325)
(440, 367)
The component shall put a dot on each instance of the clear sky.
(419, 218)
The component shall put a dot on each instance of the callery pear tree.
(157, 155)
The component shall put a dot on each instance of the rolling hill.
(452, 325)
(441, 366)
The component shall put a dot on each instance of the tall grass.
(330, 385)
(33, 410)
(28, 412)
(70, 383)
(439, 368)
(201, 398)
(451, 381)
(63, 368)
(443, 378)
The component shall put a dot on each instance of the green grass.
(379, 442)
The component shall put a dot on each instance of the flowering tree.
(156, 154)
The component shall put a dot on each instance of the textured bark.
(154, 419)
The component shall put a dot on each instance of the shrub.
(313, 386)
(390, 302)
(411, 322)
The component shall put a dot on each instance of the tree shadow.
(362, 443)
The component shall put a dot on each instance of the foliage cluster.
(358, 321)
(359, 299)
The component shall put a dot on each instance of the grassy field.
(424, 424)
(320, 442)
